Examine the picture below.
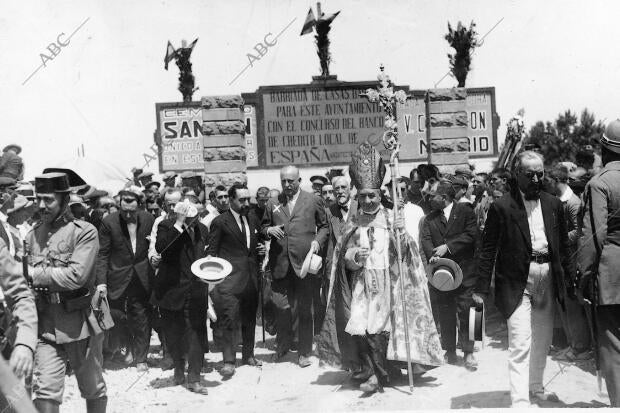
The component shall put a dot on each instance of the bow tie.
(345, 207)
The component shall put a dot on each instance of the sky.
(101, 88)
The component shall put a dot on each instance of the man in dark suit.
(124, 273)
(449, 231)
(296, 226)
(180, 295)
(526, 241)
(234, 237)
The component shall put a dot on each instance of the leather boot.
(46, 406)
(97, 405)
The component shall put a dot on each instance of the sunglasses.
(533, 174)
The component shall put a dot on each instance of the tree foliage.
(564, 138)
(463, 40)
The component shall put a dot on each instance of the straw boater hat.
(211, 270)
(312, 264)
(445, 274)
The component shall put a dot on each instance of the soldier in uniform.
(62, 253)
(599, 257)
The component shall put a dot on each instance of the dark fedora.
(52, 182)
(444, 274)
(611, 137)
(476, 323)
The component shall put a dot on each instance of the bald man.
(296, 224)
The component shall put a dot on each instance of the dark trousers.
(373, 354)
(182, 339)
(293, 298)
(134, 303)
(234, 310)
(608, 323)
(319, 301)
(451, 308)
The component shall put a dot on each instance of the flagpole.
(388, 99)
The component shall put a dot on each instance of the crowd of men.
(88, 276)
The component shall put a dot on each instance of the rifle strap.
(594, 281)
(594, 236)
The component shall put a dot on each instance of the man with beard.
(337, 215)
(525, 240)
(221, 203)
(449, 231)
(180, 295)
(296, 226)
(367, 304)
(63, 252)
(124, 274)
(234, 237)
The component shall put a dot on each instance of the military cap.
(13, 146)
(52, 182)
(75, 181)
(318, 179)
(611, 137)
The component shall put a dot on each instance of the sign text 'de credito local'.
(307, 126)
(180, 129)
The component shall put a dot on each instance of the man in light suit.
(234, 237)
(525, 239)
(296, 226)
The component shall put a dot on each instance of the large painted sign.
(179, 133)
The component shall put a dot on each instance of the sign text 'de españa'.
(181, 138)
(480, 126)
(317, 126)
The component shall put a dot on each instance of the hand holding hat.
(186, 209)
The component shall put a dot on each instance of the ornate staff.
(388, 99)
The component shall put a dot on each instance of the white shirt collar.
(236, 215)
(447, 210)
(294, 199)
(3, 217)
(567, 195)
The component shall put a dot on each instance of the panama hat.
(312, 264)
(211, 270)
(445, 274)
(476, 323)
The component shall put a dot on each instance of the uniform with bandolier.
(599, 258)
(62, 253)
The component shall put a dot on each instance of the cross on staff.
(388, 99)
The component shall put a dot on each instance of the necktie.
(244, 231)
(345, 207)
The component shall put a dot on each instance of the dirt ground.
(285, 387)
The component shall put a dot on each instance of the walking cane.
(261, 298)
(388, 99)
